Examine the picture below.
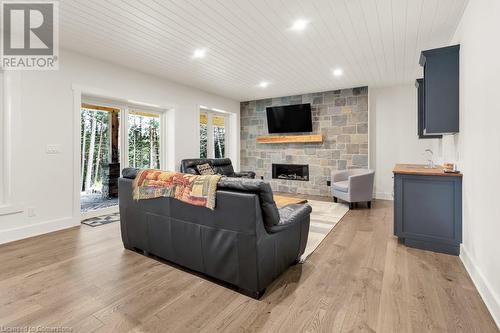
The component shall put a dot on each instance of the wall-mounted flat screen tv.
(289, 118)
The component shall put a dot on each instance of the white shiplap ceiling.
(375, 42)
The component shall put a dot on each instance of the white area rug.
(324, 216)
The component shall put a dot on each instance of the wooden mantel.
(290, 138)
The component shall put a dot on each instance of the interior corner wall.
(393, 134)
(478, 146)
(45, 114)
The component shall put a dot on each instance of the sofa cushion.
(270, 211)
(189, 165)
(205, 169)
(342, 186)
(223, 166)
(130, 173)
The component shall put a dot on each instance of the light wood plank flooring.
(359, 279)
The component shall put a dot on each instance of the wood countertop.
(421, 169)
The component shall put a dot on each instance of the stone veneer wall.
(340, 115)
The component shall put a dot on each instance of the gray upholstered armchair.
(355, 185)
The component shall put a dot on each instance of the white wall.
(43, 113)
(478, 146)
(393, 134)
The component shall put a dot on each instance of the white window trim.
(2, 141)
(9, 100)
(163, 140)
(210, 137)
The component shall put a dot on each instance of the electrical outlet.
(53, 149)
(30, 211)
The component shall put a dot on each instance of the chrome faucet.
(430, 161)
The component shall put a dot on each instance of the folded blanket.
(192, 189)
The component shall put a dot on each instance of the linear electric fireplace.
(291, 171)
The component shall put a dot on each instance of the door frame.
(121, 102)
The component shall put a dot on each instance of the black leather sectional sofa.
(222, 166)
(246, 241)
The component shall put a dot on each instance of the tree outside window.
(213, 127)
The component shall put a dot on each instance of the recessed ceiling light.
(338, 72)
(263, 84)
(299, 25)
(199, 53)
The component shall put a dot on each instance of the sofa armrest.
(245, 174)
(340, 176)
(291, 216)
(130, 173)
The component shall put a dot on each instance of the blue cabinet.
(441, 90)
(428, 212)
(419, 84)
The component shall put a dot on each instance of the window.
(203, 134)
(213, 134)
(144, 140)
(219, 129)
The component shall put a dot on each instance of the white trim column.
(123, 137)
(10, 101)
(2, 139)
(77, 151)
(210, 135)
(163, 140)
(232, 138)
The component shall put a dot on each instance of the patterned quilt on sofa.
(193, 189)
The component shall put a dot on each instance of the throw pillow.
(205, 169)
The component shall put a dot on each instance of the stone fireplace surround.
(341, 116)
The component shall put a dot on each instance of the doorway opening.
(100, 157)
(114, 136)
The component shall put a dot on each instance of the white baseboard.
(10, 235)
(383, 195)
(491, 299)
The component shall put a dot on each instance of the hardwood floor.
(359, 279)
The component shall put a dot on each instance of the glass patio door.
(99, 144)
(113, 138)
(100, 156)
